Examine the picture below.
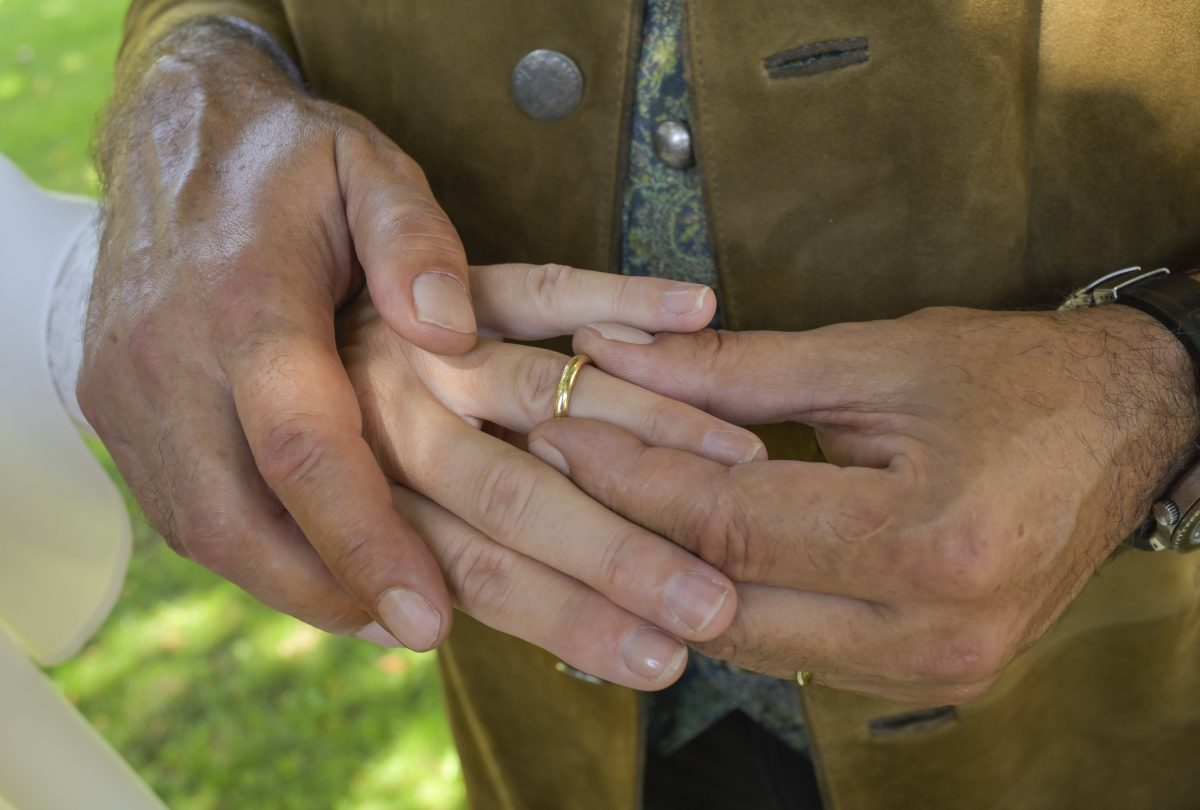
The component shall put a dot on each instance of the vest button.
(547, 85)
(673, 144)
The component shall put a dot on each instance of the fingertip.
(616, 348)
(732, 447)
(702, 602)
(434, 312)
(413, 619)
(440, 298)
(692, 306)
(653, 657)
(427, 336)
(548, 453)
(616, 333)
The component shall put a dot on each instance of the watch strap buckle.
(1107, 288)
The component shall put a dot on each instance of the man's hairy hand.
(240, 214)
(983, 466)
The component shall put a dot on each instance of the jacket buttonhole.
(818, 57)
(895, 725)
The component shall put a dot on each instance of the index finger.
(304, 427)
(530, 302)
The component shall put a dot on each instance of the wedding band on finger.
(566, 382)
(804, 677)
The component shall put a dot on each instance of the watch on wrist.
(1173, 299)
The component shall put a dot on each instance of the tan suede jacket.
(988, 154)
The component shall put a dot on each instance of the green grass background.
(214, 700)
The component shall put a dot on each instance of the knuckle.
(145, 347)
(620, 567)
(507, 495)
(708, 354)
(352, 560)
(721, 350)
(717, 530)
(574, 612)
(482, 579)
(547, 284)
(964, 657)
(289, 452)
(963, 564)
(534, 383)
(207, 539)
(749, 560)
(662, 420)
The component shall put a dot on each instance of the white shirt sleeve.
(64, 531)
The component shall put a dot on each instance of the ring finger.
(514, 386)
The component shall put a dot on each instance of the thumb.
(414, 262)
(742, 377)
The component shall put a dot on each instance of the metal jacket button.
(673, 144)
(547, 85)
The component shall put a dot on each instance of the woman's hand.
(522, 548)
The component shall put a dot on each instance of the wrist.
(1146, 390)
(207, 75)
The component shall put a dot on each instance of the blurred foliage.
(216, 701)
(56, 61)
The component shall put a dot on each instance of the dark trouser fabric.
(734, 765)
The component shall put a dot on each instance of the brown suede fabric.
(435, 77)
(1097, 715)
(987, 154)
(532, 738)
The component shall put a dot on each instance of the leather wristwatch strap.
(1173, 299)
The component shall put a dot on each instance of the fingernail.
(375, 634)
(694, 599)
(411, 618)
(623, 334)
(442, 300)
(684, 299)
(549, 454)
(652, 654)
(730, 446)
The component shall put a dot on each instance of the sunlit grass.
(220, 703)
(55, 68)
(216, 701)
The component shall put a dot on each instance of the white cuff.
(64, 531)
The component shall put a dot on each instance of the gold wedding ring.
(562, 394)
(804, 677)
